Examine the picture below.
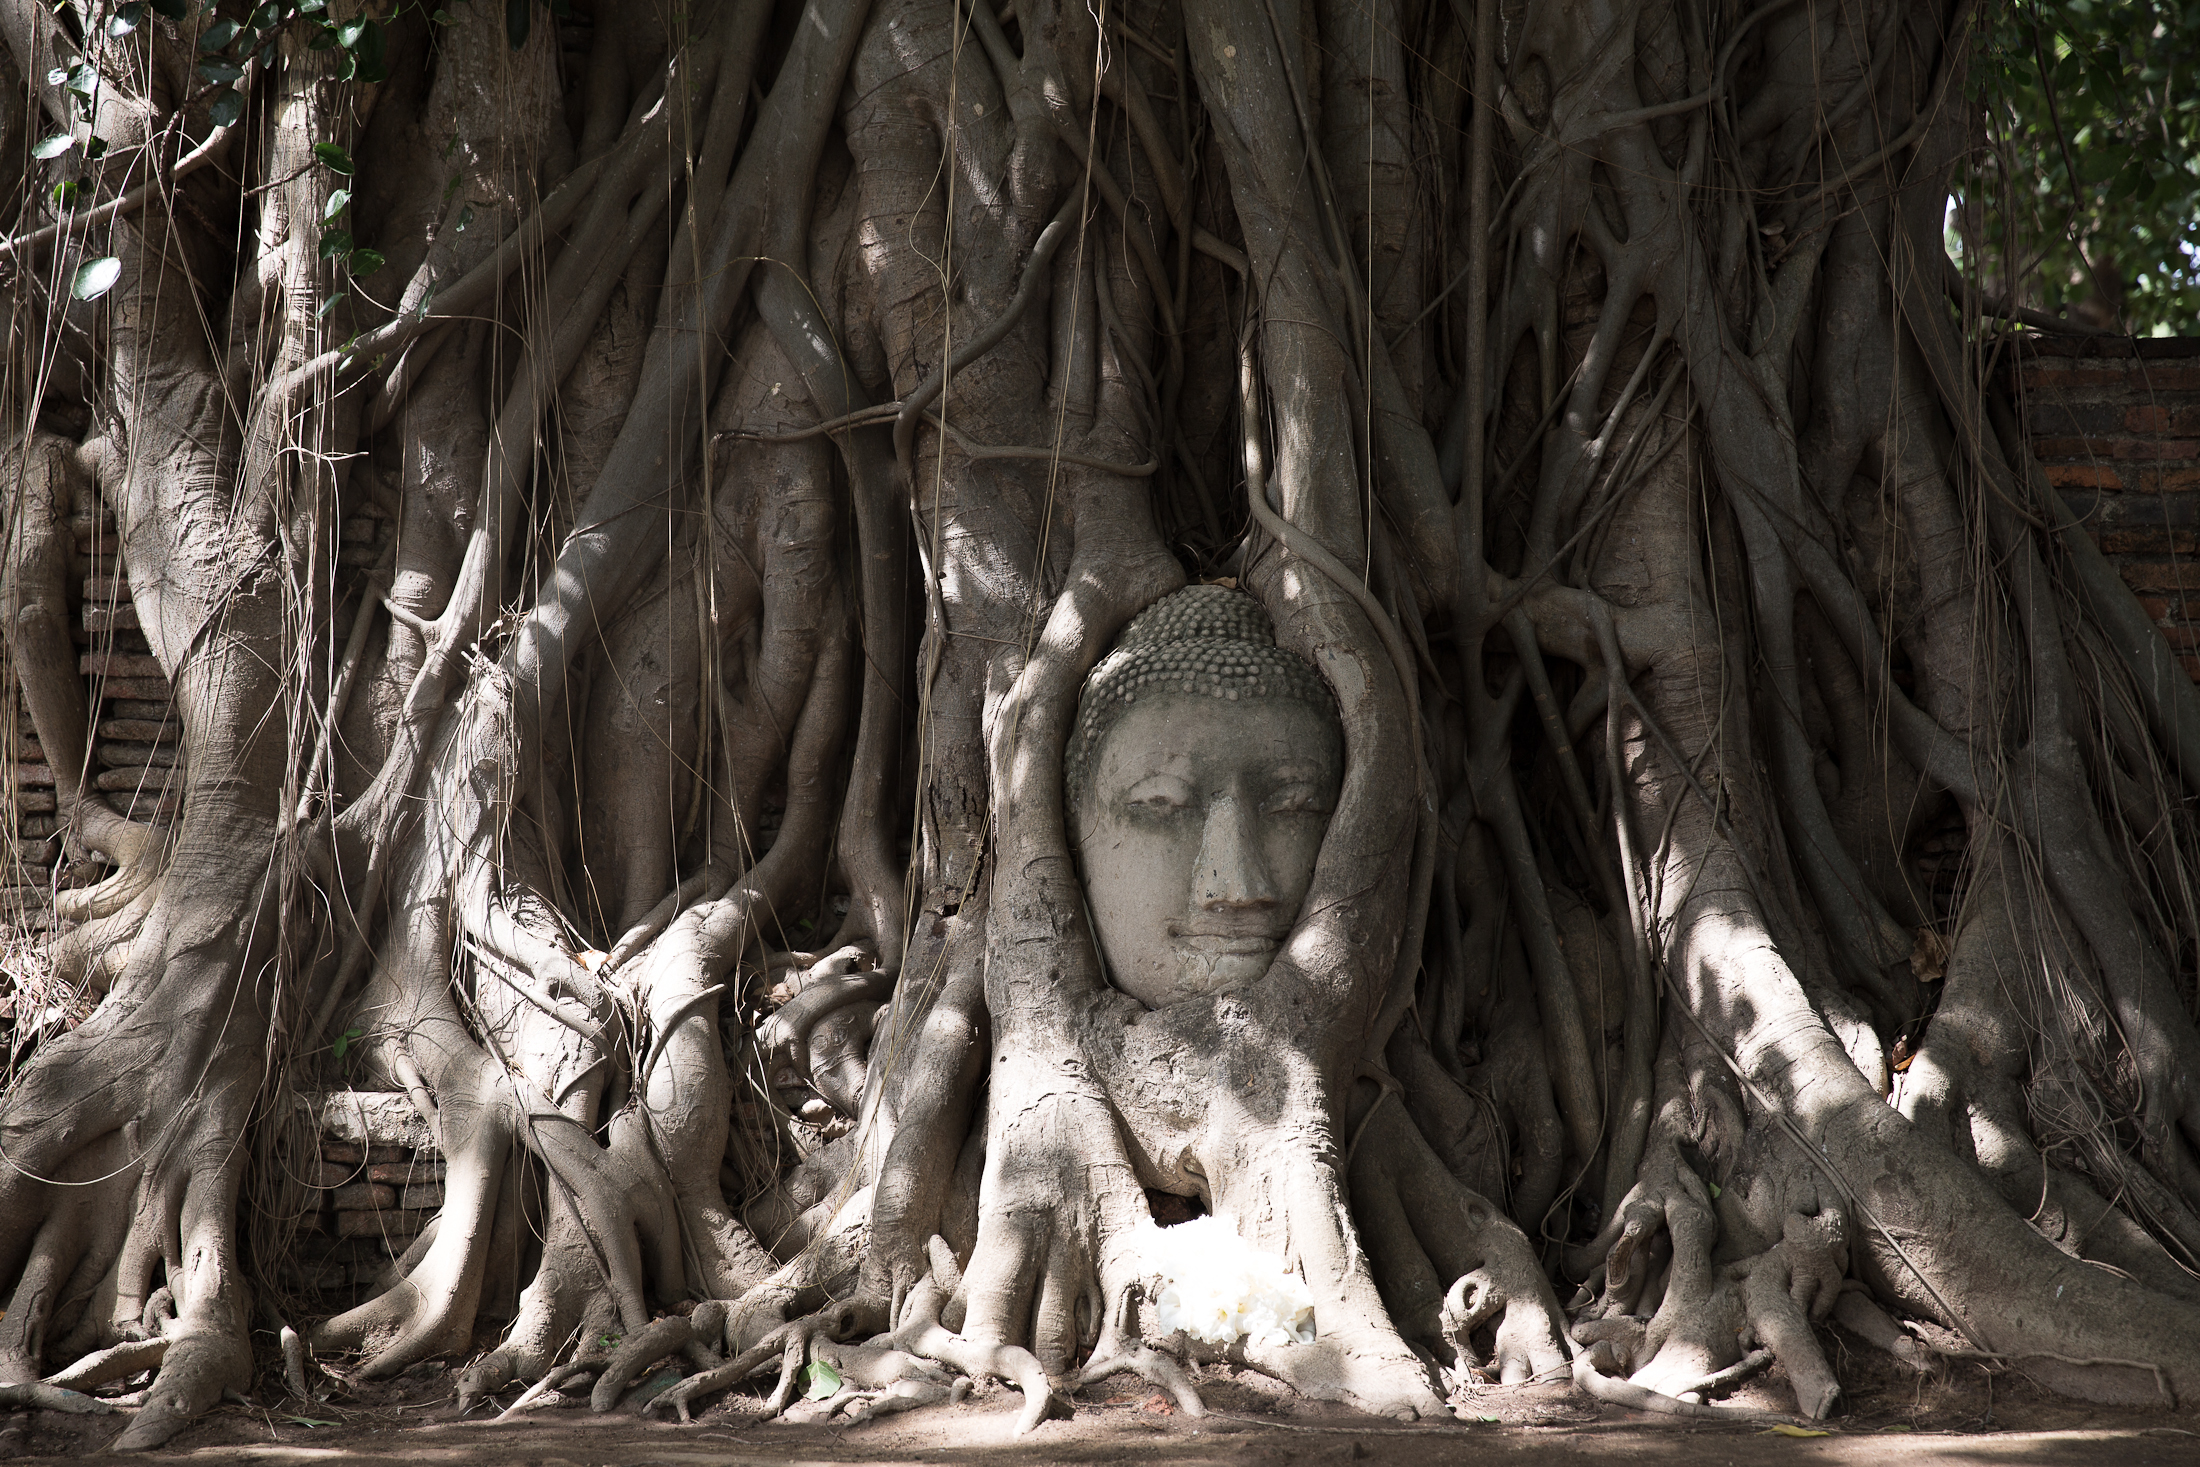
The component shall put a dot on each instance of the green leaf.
(127, 18)
(465, 218)
(820, 1381)
(348, 34)
(366, 262)
(519, 19)
(337, 203)
(96, 149)
(336, 158)
(220, 72)
(94, 278)
(82, 79)
(369, 54)
(267, 17)
(327, 306)
(65, 192)
(225, 106)
(53, 146)
(218, 35)
(335, 242)
(173, 9)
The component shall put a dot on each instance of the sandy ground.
(1959, 1417)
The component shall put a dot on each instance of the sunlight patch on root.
(856, 1405)
(117, 1362)
(1614, 1391)
(921, 1333)
(1524, 1349)
(545, 1392)
(1121, 1347)
(144, 859)
(203, 1361)
(882, 1375)
(789, 1345)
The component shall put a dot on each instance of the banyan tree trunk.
(775, 412)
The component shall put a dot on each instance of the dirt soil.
(1961, 1415)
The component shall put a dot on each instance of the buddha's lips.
(1212, 928)
(1218, 945)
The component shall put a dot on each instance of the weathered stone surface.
(371, 1119)
(405, 1171)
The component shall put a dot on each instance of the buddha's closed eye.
(1159, 794)
(1296, 799)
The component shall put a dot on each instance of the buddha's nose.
(1233, 872)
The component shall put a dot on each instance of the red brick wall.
(2116, 424)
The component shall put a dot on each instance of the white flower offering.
(1218, 1288)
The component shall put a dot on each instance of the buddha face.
(1197, 833)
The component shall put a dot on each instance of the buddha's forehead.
(1202, 737)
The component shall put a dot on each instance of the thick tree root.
(1148, 1364)
(50, 1398)
(1616, 1392)
(117, 1362)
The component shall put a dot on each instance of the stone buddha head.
(1201, 774)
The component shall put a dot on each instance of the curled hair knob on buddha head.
(1202, 641)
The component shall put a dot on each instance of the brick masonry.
(2116, 425)
(134, 732)
(362, 1193)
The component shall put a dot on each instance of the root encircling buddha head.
(1201, 773)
